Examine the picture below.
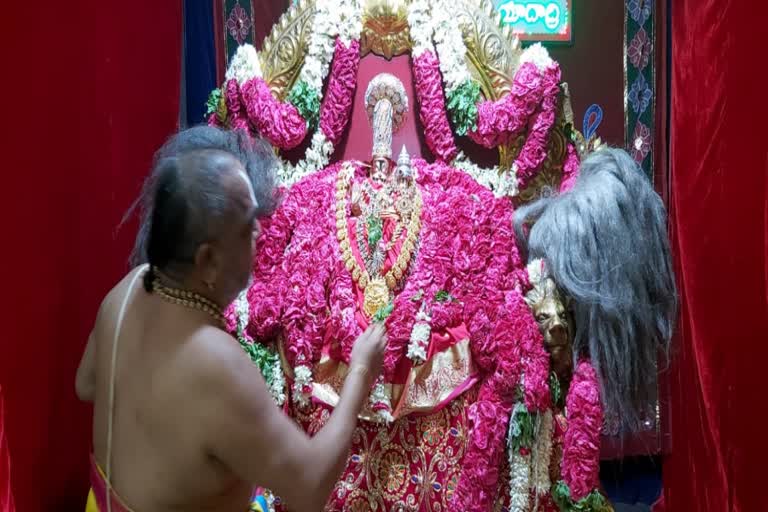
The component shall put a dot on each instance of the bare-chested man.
(189, 424)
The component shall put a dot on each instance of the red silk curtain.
(719, 217)
(64, 194)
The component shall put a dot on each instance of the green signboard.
(538, 20)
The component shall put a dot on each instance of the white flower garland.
(542, 454)
(244, 65)
(317, 157)
(519, 468)
(317, 61)
(378, 397)
(342, 18)
(450, 46)
(302, 376)
(421, 24)
(242, 309)
(349, 21)
(502, 184)
(537, 54)
(422, 330)
(277, 386)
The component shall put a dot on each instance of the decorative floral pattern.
(239, 24)
(639, 78)
(640, 10)
(641, 144)
(412, 464)
(639, 51)
(640, 95)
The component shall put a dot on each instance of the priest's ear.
(207, 265)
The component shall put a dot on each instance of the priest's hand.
(368, 352)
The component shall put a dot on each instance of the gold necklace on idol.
(377, 289)
(187, 299)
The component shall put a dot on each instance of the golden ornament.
(376, 296)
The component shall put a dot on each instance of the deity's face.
(380, 169)
(549, 308)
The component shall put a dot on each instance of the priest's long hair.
(605, 243)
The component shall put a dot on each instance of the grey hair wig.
(194, 200)
(605, 243)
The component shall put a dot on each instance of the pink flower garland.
(486, 449)
(581, 448)
(277, 121)
(267, 289)
(237, 118)
(306, 266)
(534, 151)
(434, 119)
(531, 103)
(570, 169)
(500, 120)
(337, 103)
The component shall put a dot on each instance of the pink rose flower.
(236, 116)
(570, 169)
(534, 150)
(434, 119)
(279, 122)
(337, 103)
(504, 119)
(581, 448)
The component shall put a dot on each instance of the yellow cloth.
(90, 505)
(258, 505)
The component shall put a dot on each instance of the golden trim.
(385, 29)
(428, 385)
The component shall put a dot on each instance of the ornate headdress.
(387, 106)
(404, 169)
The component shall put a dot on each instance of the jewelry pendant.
(376, 296)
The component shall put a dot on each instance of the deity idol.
(422, 249)
(467, 414)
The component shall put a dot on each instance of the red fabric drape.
(60, 211)
(719, 227)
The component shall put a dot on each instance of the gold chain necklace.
(189, 300)
(376, 290)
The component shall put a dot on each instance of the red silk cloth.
(111, 84)
(416, 461)
(719, 222)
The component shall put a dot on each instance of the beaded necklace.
(187, 299)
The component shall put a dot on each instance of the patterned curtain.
(640, 81)
(238, 22)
